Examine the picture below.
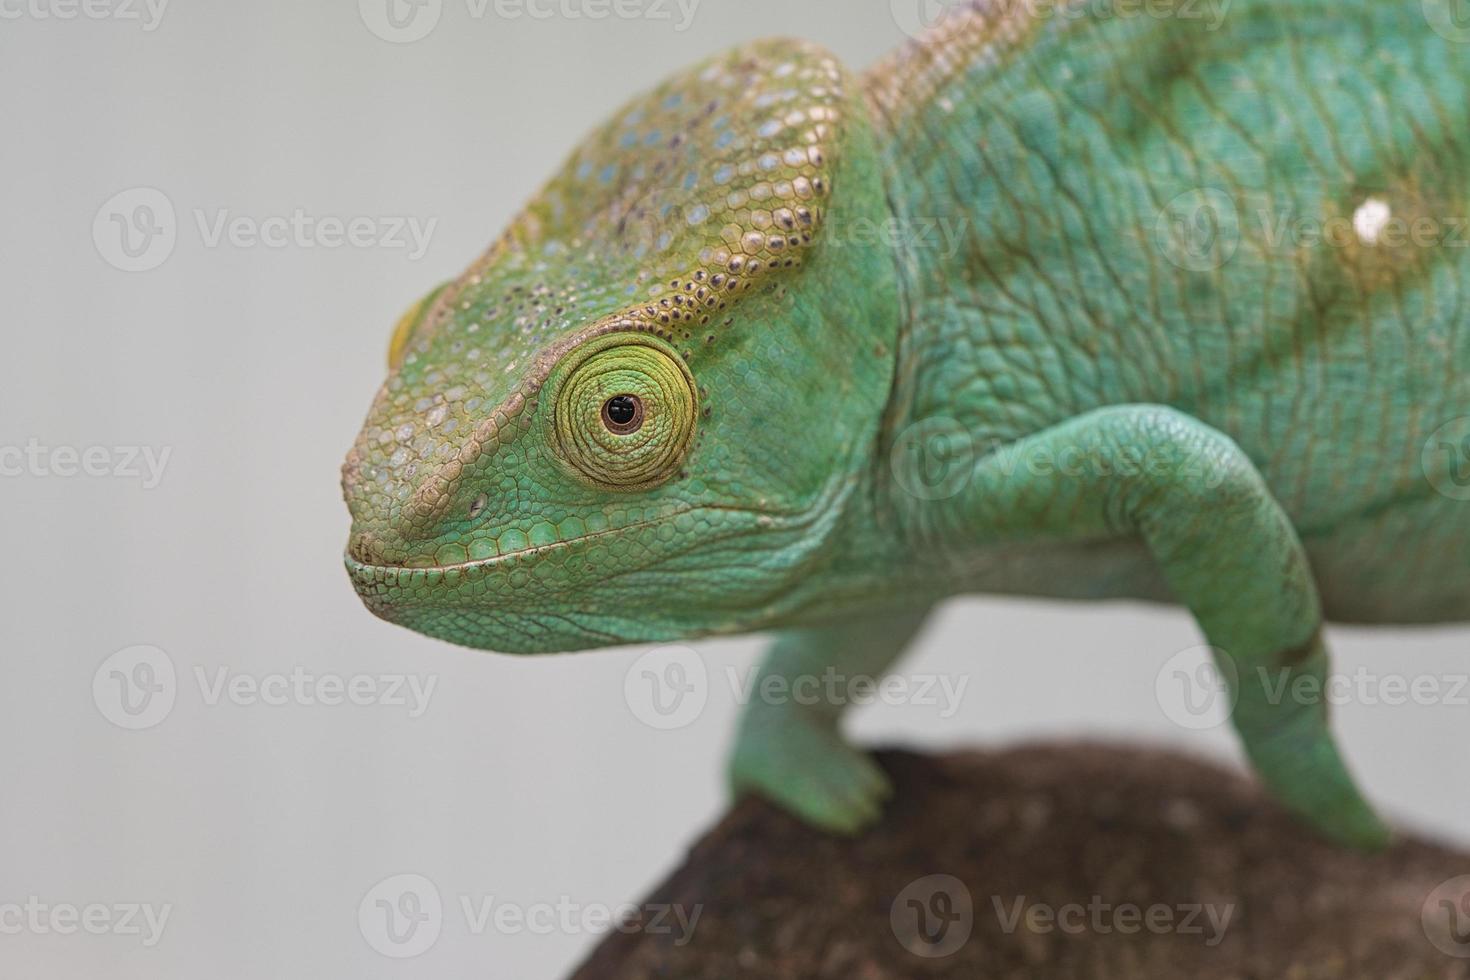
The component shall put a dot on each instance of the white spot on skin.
(1370, 219)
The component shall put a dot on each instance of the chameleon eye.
(624, 413)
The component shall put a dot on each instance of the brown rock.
(1051, 862)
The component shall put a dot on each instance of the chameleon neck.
(1013, 144)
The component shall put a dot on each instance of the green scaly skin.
(1044, 382)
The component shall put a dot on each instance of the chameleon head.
(644, 412)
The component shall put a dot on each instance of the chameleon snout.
(369, 548)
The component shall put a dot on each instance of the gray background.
(264, 826)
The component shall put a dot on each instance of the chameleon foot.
(803, 766)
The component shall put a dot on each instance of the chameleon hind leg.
(789, 748)
(1227, 551)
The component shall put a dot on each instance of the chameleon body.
(717, 377)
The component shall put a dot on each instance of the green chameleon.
(1058, 300)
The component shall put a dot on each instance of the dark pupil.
(621, 409)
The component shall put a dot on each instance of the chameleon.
(1085, 301)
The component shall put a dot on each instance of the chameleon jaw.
(451, 602)
(368, 573)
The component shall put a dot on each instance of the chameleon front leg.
(1226, 549)
(789, 748)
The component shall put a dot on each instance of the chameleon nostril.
(361, 548)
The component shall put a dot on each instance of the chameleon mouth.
(368, 573)
(388, 588)
(375, 573)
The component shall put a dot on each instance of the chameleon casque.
(704, 381)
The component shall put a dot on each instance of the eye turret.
(625, 411)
